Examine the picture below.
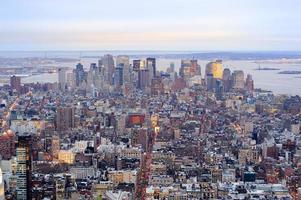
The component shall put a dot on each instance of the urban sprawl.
(120, 129)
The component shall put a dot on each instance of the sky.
(179, 25)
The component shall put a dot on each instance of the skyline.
(130, 25)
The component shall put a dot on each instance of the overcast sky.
(150, 25)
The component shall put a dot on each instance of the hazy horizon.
(210, 25)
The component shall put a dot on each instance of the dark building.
(143, 79)
(65, 117)
(227, 80)
(210, 82)
(79, 74)
(219, 88)
(151, 66)
(109, 68)
(136, 65)
(249, 83)
(15, 83)
(118, 75)
(24, 168)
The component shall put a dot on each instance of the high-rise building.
(184, 71)
(215, 68)
(172, 67)
(249, 83)
(62, 79)
(138, 65)
(118, 75)
(79, 74)
(194, 67)
(125, 60)
(15, 83)
(71, 80)
(219, 89)
(143, 79)
(65, 117)
(210, 82)
(189, 68)
(93, 67)
(108, 67)
(227, 80)
(238, 80)
(151, 66)
(23, 171)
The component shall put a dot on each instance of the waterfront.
(265, 79)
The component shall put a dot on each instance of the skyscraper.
(108, 67)
(185, 69)
(193, 67)
(227, 79)
(62, 78)
(249, 83)
(172, 67)
(151, 66)
(79, 74)
(238, 80)
(23, 171)
(65, 118)
(219, 89)
(15, 83)
(118, 75)
(125, 60)
(210, 82)
(138, 65)
(143, 79)
(215, 68)
(189, 68)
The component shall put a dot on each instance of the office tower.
(238, 80)
(65, 118)
(118, 75)
(151, 66)
(198, 71)
(210, 82)
(79, 74)
(215, 68)
(138, 65)
(62, 79)
(189, 68)
(2, 194)
(71, 80)
(249, 83)
(125, 60)
(108, 67)
(219, 89)
(227, 80)
(185, 69)
(7, 145)
(143, 79)
(15, 83)
(23, 171)
(93, 67)
(172, 67)
(194, 67)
